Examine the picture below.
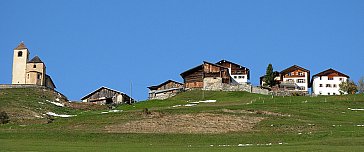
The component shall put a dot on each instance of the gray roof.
(36, 59)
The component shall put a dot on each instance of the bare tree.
(361, 85)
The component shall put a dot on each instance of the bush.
(4, 118)
(146, 111)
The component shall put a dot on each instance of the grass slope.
(314, 124)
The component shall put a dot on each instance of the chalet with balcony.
(327, 82)
(165, 90)
(238, 73)
(295, 78)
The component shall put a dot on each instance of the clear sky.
(86, 44)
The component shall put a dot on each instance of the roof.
(36, 59)
(166, 90)
(215, 64)
(329, 71)
(192, 69)
(294, 67)
(21, 46)
(222, 61)
(103, 87)
(157, 86)
(50, 79)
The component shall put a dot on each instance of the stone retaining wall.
(215, 84)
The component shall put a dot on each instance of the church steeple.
(21, 46)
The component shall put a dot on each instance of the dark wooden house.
(194, 78)
(106, 95)
(165, 90)
(238, 73)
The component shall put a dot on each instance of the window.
(20, 54)
(300, 73)
(34, 66)
(290, 74)
(334, 93)
(334, 85)
(28, 75)
(331, 78)
(290, 80)
(328, 85)
(341, 79)
(301, 88)
(328, 93)
(39, 76)
(241, 77)
(320, 78)
(235, 77)
(300, 80)
(320, 85)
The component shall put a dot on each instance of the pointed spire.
(36, 59)
(21, 46)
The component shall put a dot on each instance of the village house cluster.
(223, 75)
(211, 76)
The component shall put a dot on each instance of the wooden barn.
(165, 90)
(106, 95)
(194, 78)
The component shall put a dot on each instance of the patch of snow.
(190, 105)
(104, 112)
(57, 115)
(280, 143)
(360, 125)
(356, 109)
(243, 145)
(41, 103)
(176, 106)
(300, 133)
(57, 99)
(207, 101)
(211, 145)
(195, 102)
(56, 103)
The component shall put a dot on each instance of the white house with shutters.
(327, 82)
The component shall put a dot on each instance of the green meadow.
(296, 123)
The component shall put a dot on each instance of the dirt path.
(187, 123)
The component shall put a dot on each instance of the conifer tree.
(269, 76)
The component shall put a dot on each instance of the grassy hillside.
(236, 121)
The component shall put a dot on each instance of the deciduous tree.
(361, 85)
(348, 86)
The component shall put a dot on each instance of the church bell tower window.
(20, 54)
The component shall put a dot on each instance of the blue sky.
(91, 43)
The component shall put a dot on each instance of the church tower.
(20, 59)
